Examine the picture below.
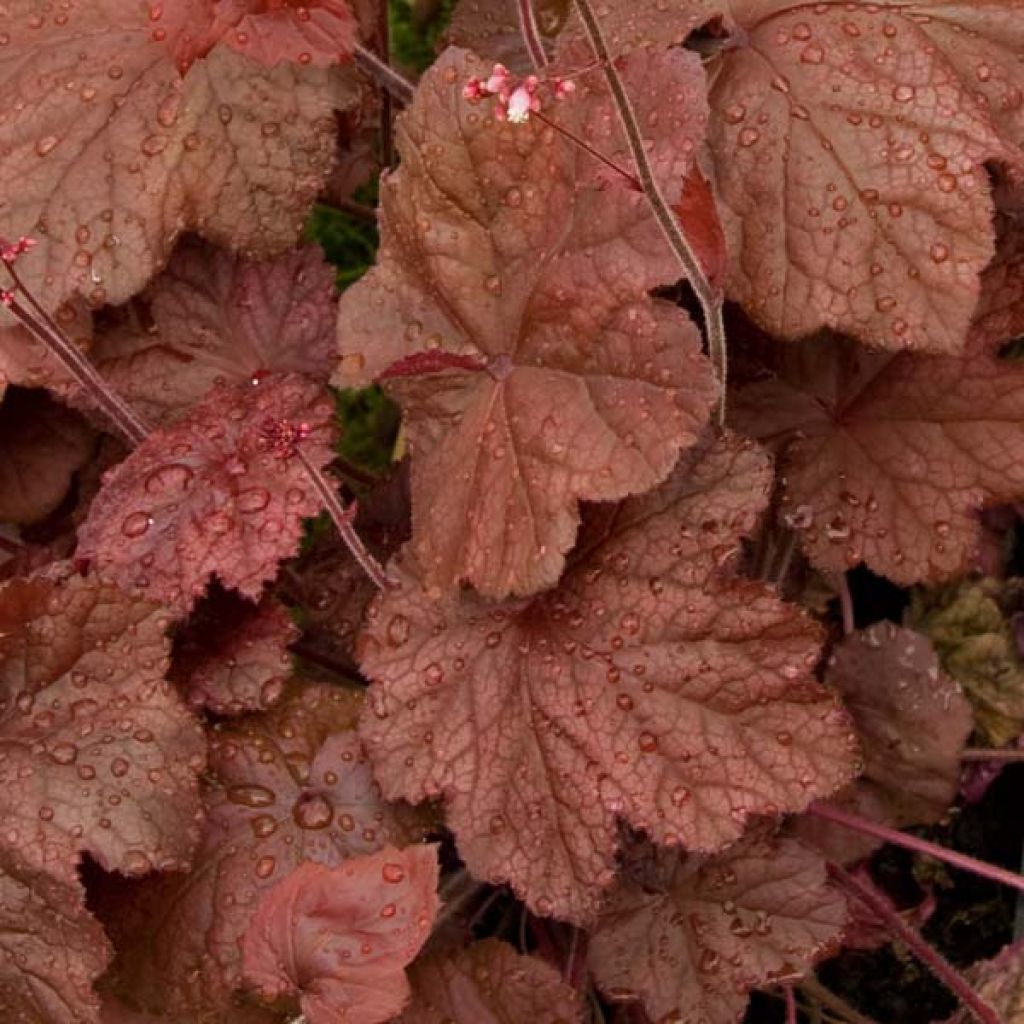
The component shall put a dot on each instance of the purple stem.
(41, 326)
(531, 37)
(980, 868)
(790, 1004)
(846, 604)
(992, 754)
(911, 938)
(342, 518)
(384, 74)
(586, 147)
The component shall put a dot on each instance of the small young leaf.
(102, 756)
(512, 292)
(212, 495)
(340, 938)
(489, 983)
(232, 656)
(912, 721)
(850, 142)
(651, 686)
(693, 947)
(285, 787)
(219, 317)
(51, 948)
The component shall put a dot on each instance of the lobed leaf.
(97, 753)
(912, 721)
(650, 686)
(110, 151)
(52, 949)
(850, 142)
(217, 317)
(211, 495)
(340, 938)
(510, 309)
(692, 947)
(286, 787)
(888, 458)
(488, 982)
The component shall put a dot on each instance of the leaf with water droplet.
(287, 786)
(849, 143)
(88, 719)
(113, 105)
(537, 766)
(215, 316)
(890, 457)
(489, 982)
(693, 946)
(912, 722)
(578, 384)
(207, 496)
(340, 938)
(315, 32)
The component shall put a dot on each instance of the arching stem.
(531, 35)
(911, 938)
(709, 297)
(992, 872)
(987, 754)
(790, 1004)
(342, 518)
(44, 329)
(384, 74)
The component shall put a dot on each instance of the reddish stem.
(990, 754)
(846, 604)
(342, 518)
(790, 1004)
(44, 329)
(531, 36)
(911, 938)
(980, 868)
(586, 147)
(384, 74)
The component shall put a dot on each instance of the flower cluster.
(516, 100)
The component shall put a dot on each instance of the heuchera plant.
(690, 309)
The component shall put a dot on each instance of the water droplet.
(46, 144)
(392, 873)
(398, 630)
(313, 811)
(64, 753)
(251, 796)
(265, 867)
(254, 499)
(136, 524)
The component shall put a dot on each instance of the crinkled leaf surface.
(207, 495)
(693, 946)
(216, 316)
(849, 142)
(971, 632)
(514, 260)
(42, 445)
(317, 32)
(488, 982)
(232, 656)
(286, 787)
(25, 361)
(912, 721)
(340, 938)
(887, 458)
(97, 752)
(109, 152)
(51, 949)
(650, 685)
